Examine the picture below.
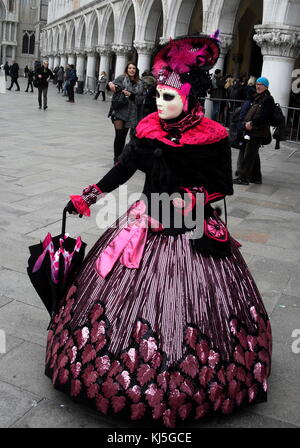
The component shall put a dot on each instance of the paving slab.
(48, 414)
(14, 403)
(25, 321)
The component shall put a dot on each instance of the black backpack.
(277, 116)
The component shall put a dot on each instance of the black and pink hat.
(177, 62)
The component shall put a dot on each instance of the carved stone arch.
(92, 30)
(80, 36)
(107, 26)
(71, 34)
(56, 37)
(2, 11)
(180, 17)
(126, 25)
(63, 37)
(292, 13)
(150, 17)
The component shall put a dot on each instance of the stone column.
(63, 60)
(56, 62)
(144, 50)
(71, 58)
(51, 62)
(226, 44)
(80, 65)
(121, 61)
(3, 53)
(104, 59)
(280, 48)
(90, 70)
(4, 36)
(13, 53)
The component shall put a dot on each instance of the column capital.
(120, 49)
(79, 52)
(226, 41)
(144, 47)
(90, 51)
(104, 50)
(283, 41)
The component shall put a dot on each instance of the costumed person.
(156, 324)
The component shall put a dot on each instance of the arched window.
(31, 44)
(25, 43)
(11, 5)
(28, 42)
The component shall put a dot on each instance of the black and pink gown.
(185, 333)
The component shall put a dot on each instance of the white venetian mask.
(169, 102)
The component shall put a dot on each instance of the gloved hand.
(81, 203)
(71, 209)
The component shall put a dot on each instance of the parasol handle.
(64, 219)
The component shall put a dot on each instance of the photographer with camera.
(126, 105)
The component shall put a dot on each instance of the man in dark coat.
(14, 74)
(72, 78)
(43, 75)
(257, 133)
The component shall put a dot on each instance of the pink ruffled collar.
(204, 133)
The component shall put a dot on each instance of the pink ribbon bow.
(128, 246)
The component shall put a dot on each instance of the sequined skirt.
(183, 336)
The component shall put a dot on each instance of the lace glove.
(82, 202)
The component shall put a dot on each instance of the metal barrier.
(223, 110)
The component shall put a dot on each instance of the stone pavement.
(47, 155)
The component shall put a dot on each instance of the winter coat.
(60, 75)
(260, 113)
(14, 71)
(102, 83)
(46, 75)
(131, 112)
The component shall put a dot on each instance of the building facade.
(258, 36)
(21, 22)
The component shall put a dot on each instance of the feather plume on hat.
(178, 62)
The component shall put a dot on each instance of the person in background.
(30, 76)
(217, 92)
(250, 89)
(60, 79)
(6, 70)
(14, 74)
(101, 86)
(257, 131)
(26, 71)
(149, 104)
(43, 75)
(126, 117)
(72, 78)
(66, 81)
